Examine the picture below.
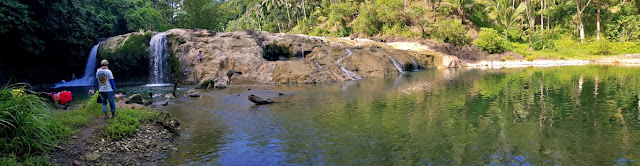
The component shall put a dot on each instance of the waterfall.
(158, 57)
(349, 74)
(395, 63)
(415, 64)
(89, 76)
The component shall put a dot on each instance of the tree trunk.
(531, 19)
(542, 23)
(304, 10)
(598, 23)
(579, 21)
(506, 33)
(286, 4)
(581, 32)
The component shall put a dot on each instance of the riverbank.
(136, 136)
(80, 135)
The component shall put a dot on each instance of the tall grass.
(24, 122)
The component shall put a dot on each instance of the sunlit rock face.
(264, 57)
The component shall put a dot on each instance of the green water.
(585, 115)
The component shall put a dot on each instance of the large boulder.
(221, 84)
(134, 99)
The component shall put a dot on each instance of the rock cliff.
(264, 57)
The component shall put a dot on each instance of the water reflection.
(542, 116)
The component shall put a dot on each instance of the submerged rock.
(194, 94)
(164, 103)
(258, 100)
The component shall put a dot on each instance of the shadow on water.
(584, 115)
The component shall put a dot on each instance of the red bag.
(65, 96)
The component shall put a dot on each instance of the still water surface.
(584, 115)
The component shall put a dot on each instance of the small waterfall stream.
(349, 74)
(415, 64)
(89, 77)
(398, 66)
(158, 57)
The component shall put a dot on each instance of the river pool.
(578, 115)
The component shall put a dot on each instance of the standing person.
(200, 57)
(106, 88)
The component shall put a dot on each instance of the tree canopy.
(43, 34)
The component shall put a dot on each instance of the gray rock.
(205, 84)
(221, 84)
(136, 98)
(147, 102)
(194, 94)
(169, 96)
(165, 103)
(92, 156)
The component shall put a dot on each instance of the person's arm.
(113, 85)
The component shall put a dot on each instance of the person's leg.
(104, 103)
(112, 103)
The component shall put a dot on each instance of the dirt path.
(78, 144)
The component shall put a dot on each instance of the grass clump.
(80, 117)
(127, 122)
(25, 123)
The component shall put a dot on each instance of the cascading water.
(158, 57)
(395, 63)
(415, 64)
(89, 77)
(349, 74)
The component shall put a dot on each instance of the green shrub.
(396, 30)
(344, 31)
(450, 31)
(490, 41)
(530, 58)
(600, 48)
(24, 122)
(368, 22)
(318, 31)
(539, 45)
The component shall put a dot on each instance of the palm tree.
(460, 6)
(504, 14)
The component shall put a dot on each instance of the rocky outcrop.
(262, 57)
(128, 55)
(136, 98)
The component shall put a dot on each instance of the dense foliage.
(46, 35)
(490, 41)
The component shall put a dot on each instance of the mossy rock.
(128, 56)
